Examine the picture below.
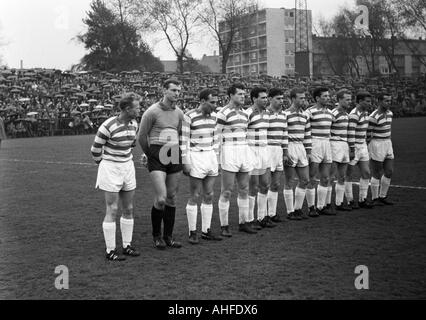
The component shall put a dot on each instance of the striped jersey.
(277, 131)
(320, 119)
(198, 132)
(257, 127)
(379, 125)
(357, 129)
(299, 127)
(339, 125)
(231, 126)
(114, 141)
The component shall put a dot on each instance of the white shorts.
(236, 158)
(381, 150)
(203, 164)
(276, 158)
(321, 151)
(260, 160)
(116, 176)
(340, 151)
(361, 154)
(297, 155)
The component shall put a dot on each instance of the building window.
(253, 43)
(262, 15)
(237, 59)
(262, 28)
(253, 68)
(253, 55)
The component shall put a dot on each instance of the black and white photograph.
(214, 155)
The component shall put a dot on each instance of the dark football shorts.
(165, 158)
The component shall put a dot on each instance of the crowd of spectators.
(40, 102)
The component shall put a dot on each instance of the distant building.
(329, 57)
(169, 65)
(267, 44)
(212, 62)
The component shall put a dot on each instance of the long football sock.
(310, 197)
(126, 227)
(243, 210)
(329, 192)
(363, 189)
(156, 220)
(206, 216)
(262, 204)
(300, 197)
(384, 187)
(375, 185)
(340, 193)
(109, 235)
(272, 200)
(191, 214)
(322, 196)
(223, 213)
(288, 199)
(169, 220)
(348, 191)
(252, 202)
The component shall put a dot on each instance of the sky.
(42, 32)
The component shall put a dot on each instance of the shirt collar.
(166, 108)
(255, 108)
(205, 114)
(240, 108)
(271, 110)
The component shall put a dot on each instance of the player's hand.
(187, 169)
(309, 156)
(286, 160)
(351, 155)
(144, 160)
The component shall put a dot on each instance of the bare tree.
(413, 12)
(340, 51)
(178, 20)
(135, 12)
(221, 15)
(3, 42)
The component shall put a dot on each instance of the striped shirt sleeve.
(101, 138)
(216, 146)
(185, 135)
(372, 122)
(285, 134)
(307, 140)
(220, 123)
(353, 121)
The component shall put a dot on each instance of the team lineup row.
(253, 147)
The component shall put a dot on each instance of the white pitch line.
(402, 187)
(52, 162)
(87, 164)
